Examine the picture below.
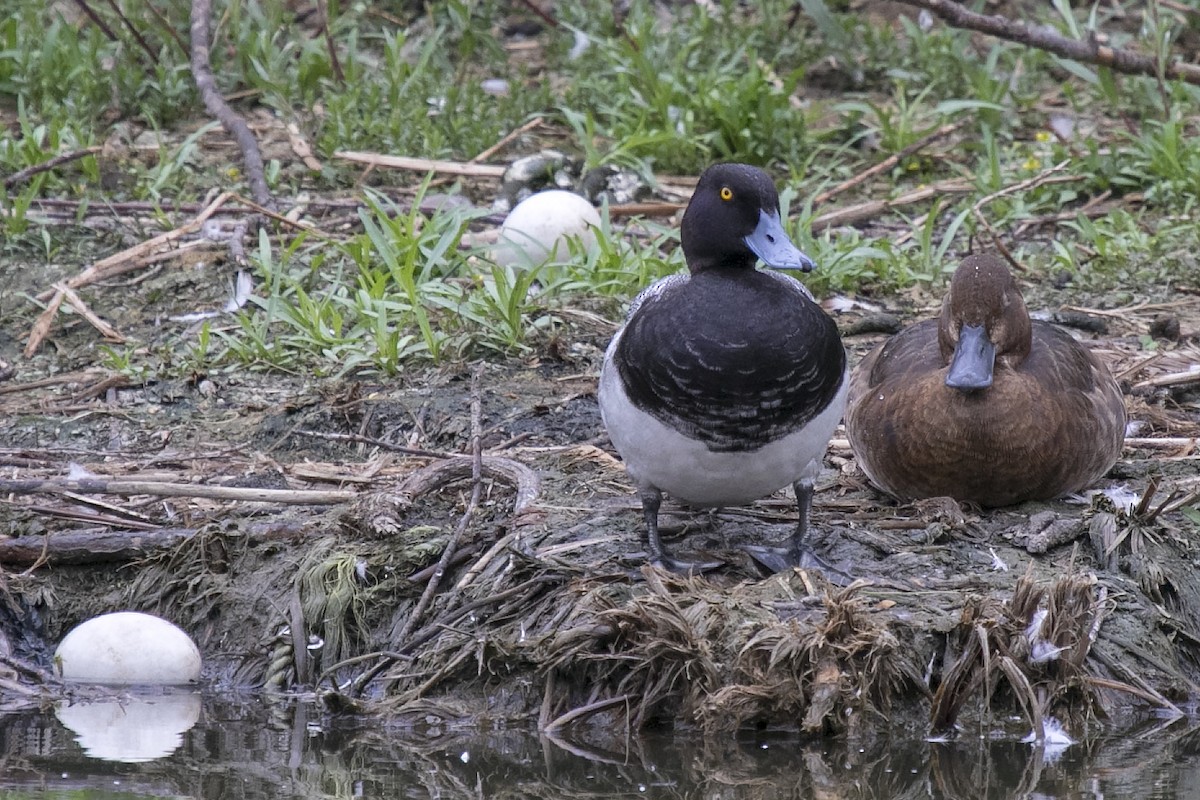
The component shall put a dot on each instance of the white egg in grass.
(537, 230)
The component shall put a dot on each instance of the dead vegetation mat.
(542, 611)
(460, 547)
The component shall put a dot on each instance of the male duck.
(725, 385)
(983, 404)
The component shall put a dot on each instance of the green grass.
(815, 97)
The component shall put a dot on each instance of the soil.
(546, 613)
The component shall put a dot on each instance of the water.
(250, 748)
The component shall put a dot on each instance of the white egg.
(127, 647)
(537, 230)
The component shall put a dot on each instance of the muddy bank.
(545, 613)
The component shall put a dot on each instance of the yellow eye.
(726, 193)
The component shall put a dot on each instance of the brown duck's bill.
(973, 361)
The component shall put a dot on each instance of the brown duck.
(984, 404)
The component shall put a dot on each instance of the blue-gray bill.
(973, 361)
(770, 242)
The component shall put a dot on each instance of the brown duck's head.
(984, 323)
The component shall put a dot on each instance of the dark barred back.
(732, 360)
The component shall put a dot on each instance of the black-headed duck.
(725, 384)
(984, 404)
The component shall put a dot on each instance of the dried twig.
(334, 62)
(500, 145)
(888, 162)
(128, 259)
(76, 302)
(96, 20)
(1171, 379)
(301, 148)
(871, 209)
(137, 36)
(1044, 177)
(120, 486)
(41, 326)
(423, 164)
(216, 105)
(64, 158)
(1090, 51)
(585, 711)
(476, 492)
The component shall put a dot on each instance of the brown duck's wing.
(1062, 364)
(910, 353)
(1093, 423)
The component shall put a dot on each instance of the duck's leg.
(651, 498)
(797, 553)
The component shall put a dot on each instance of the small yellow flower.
(233, 173)
(1031, 163)
(1042, 136)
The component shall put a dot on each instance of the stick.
(423, 164)
(498, 146)
(125, 260)
(142, 43)
(83, 547)
(25, 174)
(1044, 177)
(1091, 51)
(216, 105)
(165, 489)
(1188, 442)
(871, 209)
(93, 546)
(476, 493)
(301, 148)
(76, 302)
(334, 63)
(1170, 379)
(56, 380)
(41, 327)
(585, 711)
(96, 20)
(888, 162)
(380, 443)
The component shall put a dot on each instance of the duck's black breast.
(733, 359)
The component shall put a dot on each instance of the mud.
(546, 614)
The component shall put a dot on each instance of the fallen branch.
(888, 162)
(128, 259)
(1171, 379)
(522, 478)
(41, 325)
(476, 493)
(861, 212)
(55, 380)
(76, 302)
(126, 488)
(92, 546)
(23, 175)
(536, 122)
(1186, 442)
(423, 164)
(216, 105)
(134, 32)
(1045, 38)
(583, 712)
